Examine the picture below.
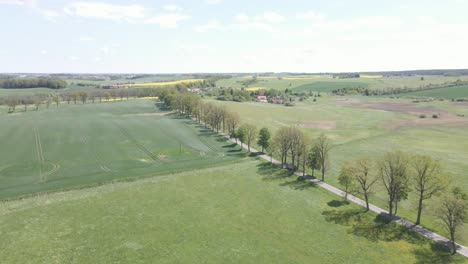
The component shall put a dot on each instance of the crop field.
(246, 212)
(367, 127)
(29, 91)
(163, 83)
(447, 93)
(325, 83)
(80, 145)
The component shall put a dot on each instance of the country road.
(463, 250)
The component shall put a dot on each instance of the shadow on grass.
(274, 173)
(337, 203)
(380, 228)
(437, 253)
(299, 184)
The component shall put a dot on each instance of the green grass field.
(368, 133)
(80, 145)
(447, 93)
(247, 212)
(321, 83)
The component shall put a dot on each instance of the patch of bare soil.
(162, 156)
(326, 125)
(443, 118)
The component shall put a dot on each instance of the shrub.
(422, 116)
(435, 116)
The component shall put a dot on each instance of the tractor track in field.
(93, 151)
(42, 161)
(205, 141)
(136, 143)
(39, 153)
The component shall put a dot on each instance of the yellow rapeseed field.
(253, 89)
(167, 83)
(371, 76)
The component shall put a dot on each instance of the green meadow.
(247, 212)
(80, 145)
(325, 83)
(362, 132)
(453, 92)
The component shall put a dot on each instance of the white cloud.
(270, 17)
(213, 2)
(105, 50)
(44, 52)
(106, 11)
(210, 26)
(74, 58)
(167, 20)
(243, 18)
(86, 39)
(262, 21)
(28, 3)
(172, 8)
(50, 14)
(310, 15)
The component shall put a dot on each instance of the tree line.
(83, 96)
(397, 173)
(22, 83)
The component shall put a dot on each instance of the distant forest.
(33, 83)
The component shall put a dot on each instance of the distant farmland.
(166, 83)
(446, 92)
(78, 145)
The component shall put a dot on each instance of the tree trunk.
(452, 239)
(323, 174)
(390, 207)
(396, 207)
(420, 205)
(367, 201)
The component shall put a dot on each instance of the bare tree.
(250, 133)
(453, 212)
(427, 180)
(323, 147)
(232, 121)
(346, 178)
(362, 174)
(393, 169)
(282, 143)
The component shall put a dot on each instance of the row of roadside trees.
(396, 172)
(80, 96)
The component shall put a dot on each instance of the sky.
(176, 36)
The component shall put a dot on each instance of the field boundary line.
(462, 250)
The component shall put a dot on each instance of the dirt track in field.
(443, 118)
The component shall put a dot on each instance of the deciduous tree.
(393, 170)
(264, 138)
(453, 213)
(427, 180)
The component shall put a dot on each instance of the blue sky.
(231, 36)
